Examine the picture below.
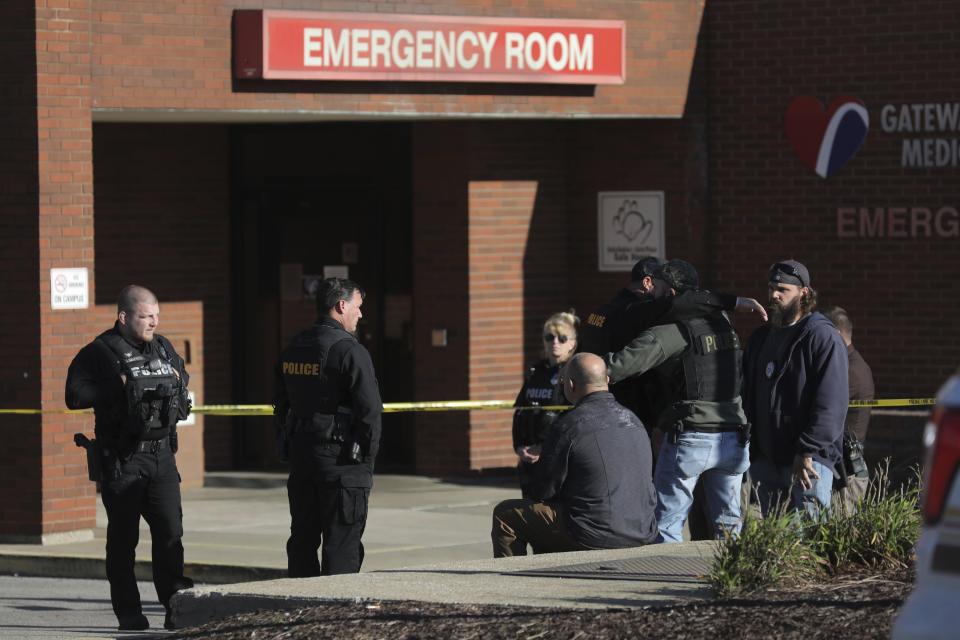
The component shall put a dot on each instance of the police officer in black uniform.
(137, 385)
(328, 410)
(608, 329)
(634, 309)
(542, 389)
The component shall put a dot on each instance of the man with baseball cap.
(636, 308)
(696, 359)
(602, 328)
(795, 396)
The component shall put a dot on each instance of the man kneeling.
(593, 487)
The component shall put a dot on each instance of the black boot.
(136, 622)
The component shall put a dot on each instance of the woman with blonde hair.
(542, 388)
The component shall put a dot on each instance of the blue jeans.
(721, 459)
(773, 484)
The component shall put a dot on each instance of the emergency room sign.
(301, 45)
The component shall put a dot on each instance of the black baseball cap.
(790, 272)
(679, 274)
(645, 268)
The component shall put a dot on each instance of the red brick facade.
(503, 188)
(170, 55)
(901, 292)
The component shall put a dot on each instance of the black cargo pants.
(326, 512)
(147, 484)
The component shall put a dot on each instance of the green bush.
(789, 548)
(879, 534)
(768, 551)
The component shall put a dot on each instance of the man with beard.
(795, 395)
(137, 385)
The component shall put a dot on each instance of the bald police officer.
(137, 386)
(328, 409)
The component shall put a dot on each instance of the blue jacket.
(596, 463)
(809, 399)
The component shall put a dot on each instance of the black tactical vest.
(152, 387)
(541, 389)
(311, 377)
(710, 368)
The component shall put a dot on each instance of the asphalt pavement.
(33, 608)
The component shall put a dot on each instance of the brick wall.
(163, 221)
(440, 295)
(65, 209)
(901, 292)
(500, 215)
(525, 196)
(174, 55)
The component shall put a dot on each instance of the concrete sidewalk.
(236, 528)
(637, 577)
(426, 539)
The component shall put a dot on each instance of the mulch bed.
(851, 606)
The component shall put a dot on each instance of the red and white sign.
(299, 45)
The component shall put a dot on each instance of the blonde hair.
(563, 318)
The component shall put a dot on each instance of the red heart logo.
(807, 122)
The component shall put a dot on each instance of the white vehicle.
(933, 608)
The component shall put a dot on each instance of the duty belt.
(328, 427)
(152, 446)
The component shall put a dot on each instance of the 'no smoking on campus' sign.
(69, 289)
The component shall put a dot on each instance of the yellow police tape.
(441, 405)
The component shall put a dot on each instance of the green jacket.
(662, 348)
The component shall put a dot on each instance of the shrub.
(768, 551)
(788, 548)
(879, 534)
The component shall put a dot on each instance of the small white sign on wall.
(69, 289)
(629, 227)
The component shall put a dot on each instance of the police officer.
(698, 361)
(328, 410)
(542, 389)
(137, 386)
(608, 329)
(636, 308)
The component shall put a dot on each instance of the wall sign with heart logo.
(630, 226)
(826, 139)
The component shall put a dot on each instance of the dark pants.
(148, 485)
(327, 514)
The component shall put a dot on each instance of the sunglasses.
(549, 337)
(790, 270)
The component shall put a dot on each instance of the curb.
(85, 567)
